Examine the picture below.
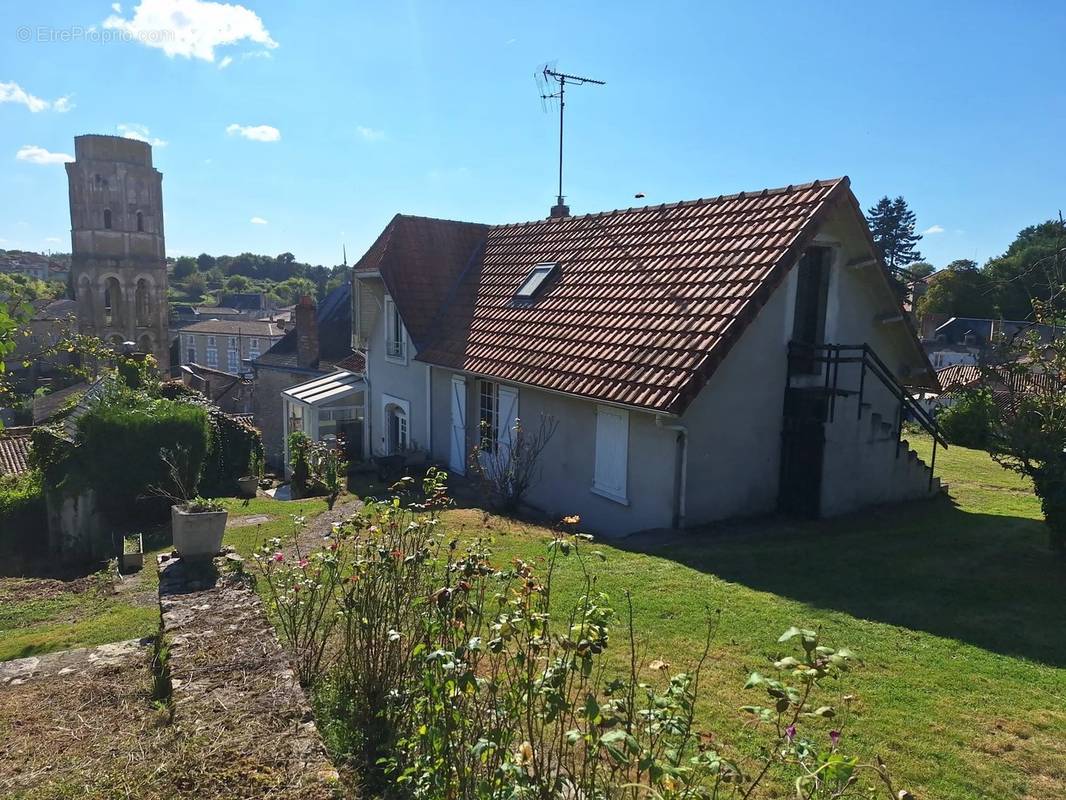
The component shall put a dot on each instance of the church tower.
(118, 263)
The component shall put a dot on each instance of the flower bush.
(438, 674)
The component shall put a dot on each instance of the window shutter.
(612, 452)
(507, 415)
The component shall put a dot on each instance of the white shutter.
(612, 452)
(506, 416)
(457, 459)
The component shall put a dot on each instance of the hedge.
(22, 513)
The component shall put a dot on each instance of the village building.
(316, 345)
(716, 358)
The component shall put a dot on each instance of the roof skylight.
(535, 280)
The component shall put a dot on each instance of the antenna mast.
(560, 209)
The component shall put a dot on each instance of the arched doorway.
(396, 429)
(113, 303)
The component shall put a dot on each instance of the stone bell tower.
(118, 263)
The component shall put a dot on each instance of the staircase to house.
(842, 442)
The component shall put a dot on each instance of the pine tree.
(892, 225)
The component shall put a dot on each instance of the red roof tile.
(647, 300)
(14, 451)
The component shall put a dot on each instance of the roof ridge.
(792, 187)
(401, 215)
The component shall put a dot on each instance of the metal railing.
(833, 355)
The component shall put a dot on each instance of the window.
(812, 293)
(107, 217)
(488, 412)
(612, 453)
(253, 349)
(534, 281)
(396, 416)
(140, 221)
(212, 352)
(233, 355)
(190, 349)
(395, 335)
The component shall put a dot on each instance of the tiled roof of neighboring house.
(244, 301)
(232, 327)
(959, 376)
(647, 301)
(356, 362)
(401, 254)
(334, 318)
(47, 406)
(57, 309)
(14, 450)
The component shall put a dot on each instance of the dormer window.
(533, 283)
(107, 217)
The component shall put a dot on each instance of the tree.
(1026, 271)
(238, 283)
(196, 285)
(205, 262)
(959, 290)
(184, 267)
(1030, 435)
(920, 269)
(892, 225)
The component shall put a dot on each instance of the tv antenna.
(552, 86)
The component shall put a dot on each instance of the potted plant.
(250, 482)
(132, 556)
(196, 523)
(197, 526)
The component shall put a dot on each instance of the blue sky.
(321, 120)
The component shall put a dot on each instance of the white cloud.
(52, 239)
(370, 134)
(225, 62)
(13, 93)
(257, 133)
(116, 7)
(258, 221)
(38, 155)
(132, 130)
(445, 174)
(933, 229)
(191, 28)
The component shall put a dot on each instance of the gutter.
(680, 468)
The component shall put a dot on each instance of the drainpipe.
(680, 470)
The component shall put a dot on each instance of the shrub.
(442, 675)
(232, 446)
(22, 512)
(119, 446)
(969, 421)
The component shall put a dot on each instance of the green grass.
(955, 605)
(37, 618)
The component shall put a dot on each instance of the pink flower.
(279, 556)
(790, 732)
(834, 737)
(303, 563)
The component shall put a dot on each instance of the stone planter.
(197, 535)
(132, 557)
(248, 485)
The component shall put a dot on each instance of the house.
(231, 393)
(968, 340)
(316, 346)
(31, 363)
(715, 358)
(224, 344)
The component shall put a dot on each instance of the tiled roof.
(14, 450)
(334, 317)
(356, 362)
(232, 327)
(48, 405)
(647, 301)
(959, 376)
(402, 253)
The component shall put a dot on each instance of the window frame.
(395, 334)
(488, 419)
(599, 486)
(534, 282)
(190, 349)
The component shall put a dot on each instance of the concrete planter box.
(248, 485)
(197, 534)
(134, 559)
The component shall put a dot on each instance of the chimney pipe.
(306, 333)
(559, 210)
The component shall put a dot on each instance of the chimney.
(559, 210)
(306, 333)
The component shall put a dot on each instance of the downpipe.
(680, 469)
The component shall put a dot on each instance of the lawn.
(40, 614)
(954, 604)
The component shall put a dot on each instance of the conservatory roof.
(324, 390)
